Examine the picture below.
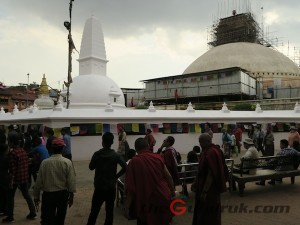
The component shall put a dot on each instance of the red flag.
(176, 94)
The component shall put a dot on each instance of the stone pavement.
(258, 206)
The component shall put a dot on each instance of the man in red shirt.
(150, 139)
(18, 169)
(238, 133)
(149, 187)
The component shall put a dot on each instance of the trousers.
(99, 197)
(54, 207)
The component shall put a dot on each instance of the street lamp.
(27, 89)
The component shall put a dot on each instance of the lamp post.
(68, 26)
(27, 86)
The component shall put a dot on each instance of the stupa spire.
(92, 57)
(43, 90)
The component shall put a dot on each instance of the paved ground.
(236, 210)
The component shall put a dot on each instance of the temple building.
(240, 65)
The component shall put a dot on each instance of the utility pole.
(68, 25)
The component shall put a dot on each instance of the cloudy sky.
(144, 39)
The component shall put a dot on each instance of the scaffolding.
(237, 28)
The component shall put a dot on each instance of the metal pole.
(27, 86)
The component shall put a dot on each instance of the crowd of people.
(150, 176)
(28, 156)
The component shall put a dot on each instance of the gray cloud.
(133, 18)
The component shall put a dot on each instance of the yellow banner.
(197, 128)
(74, 130)
(98, 127)
(135, 127)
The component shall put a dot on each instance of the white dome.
(255, 58)
(44, 102)
(94, 91)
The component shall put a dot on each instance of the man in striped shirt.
(56, 179)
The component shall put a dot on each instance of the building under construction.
(237, 28)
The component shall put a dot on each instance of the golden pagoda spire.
(43, 90)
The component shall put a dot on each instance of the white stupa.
(92, 88)
(43, 101)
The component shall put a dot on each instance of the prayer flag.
(135, 127)
(179, 128)
(174, 128)
(106, 128)
(98, 128)
(74, 130)
(192, 128)
(127, 127)
(185, 128)
(113, 128)
(197, 128)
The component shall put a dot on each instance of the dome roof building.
(255, 58)
(238, 41)
(92, 88)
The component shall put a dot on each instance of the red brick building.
(19, 95)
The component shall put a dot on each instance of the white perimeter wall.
(84, 147)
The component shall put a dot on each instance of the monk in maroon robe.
(149, 187)
(169, 156)
(209, 184)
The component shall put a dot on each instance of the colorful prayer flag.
(98, 128)
(135, 127)
(74, 130)
(106, 128)
(197, 128)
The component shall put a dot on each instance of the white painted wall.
(84, 147)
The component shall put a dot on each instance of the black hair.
(107, 139)
(36, 140)
(196, 149)
(192, 157)
(50, 132)
(141, 144)
(171, 140)
(14, 139)
(57, 149)
(284, 142)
